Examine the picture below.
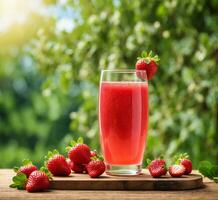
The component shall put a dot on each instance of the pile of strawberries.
(182, 166)
(83, 160)
(80, 160)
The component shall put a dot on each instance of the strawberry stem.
(80, 140)
(97, 157)
(16, 169)
(148, 57)
(27, 162)
(180, 156)
(148, 161)
(47, 172)
(50, 155)
(74, 143)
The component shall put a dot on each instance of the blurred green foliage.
(49, 82)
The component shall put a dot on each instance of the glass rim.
(123, 70)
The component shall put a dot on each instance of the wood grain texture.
(141, 182)
(208, 192)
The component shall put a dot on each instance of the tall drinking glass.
(123, 120)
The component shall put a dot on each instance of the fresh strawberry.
(37, 181)
(77, 168)
(57, 164)
(78, 152)
(148, 63)
(93, 153)
(96, 167)
(184, 160)
(176, 170)
(187, 164)
(157, 167)
(27, 168)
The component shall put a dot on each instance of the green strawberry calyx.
(148, 162)
(19, 181)
(148, 57)
(179, 157)
(73, 143)
(97, 158)
(50, 155)
(47, 172)
(25, 162)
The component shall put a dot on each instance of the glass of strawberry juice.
(123, 120)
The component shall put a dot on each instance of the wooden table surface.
(209, 191)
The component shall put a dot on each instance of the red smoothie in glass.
(123, 121)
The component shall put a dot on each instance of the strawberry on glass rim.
(147, 62)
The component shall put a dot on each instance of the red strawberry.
(77, 168)
(37, 181)
(183, 159)
(187, 164)
(176, 170)
(93, 153)
(57, 164)
(157, 168)
(27, 168)
(96, 167)
(78, 152)
(148, 63)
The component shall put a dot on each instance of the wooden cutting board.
(140, 182)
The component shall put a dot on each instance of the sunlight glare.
(16, 11)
